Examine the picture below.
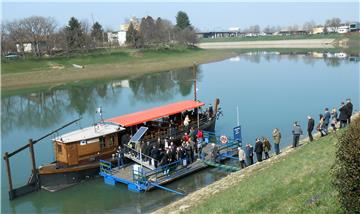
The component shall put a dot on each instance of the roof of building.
(155, 113)
(88, 133)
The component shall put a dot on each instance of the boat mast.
(195, 96)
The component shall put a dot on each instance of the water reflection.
(42, 109)
(330, 59)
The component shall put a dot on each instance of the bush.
(346, 170)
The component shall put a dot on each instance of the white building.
(343, 29)
(118, 38)
(27, 47)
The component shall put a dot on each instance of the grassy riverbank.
(33, 73)
(297, 181)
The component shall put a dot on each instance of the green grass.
(267, 38)
(284, 187)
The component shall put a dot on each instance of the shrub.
(346, 170)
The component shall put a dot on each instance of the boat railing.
(175, 131)
(140, 157)
(158, 173)
(105, 167)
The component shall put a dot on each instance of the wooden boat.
(78, 153)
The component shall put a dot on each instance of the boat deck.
(160, 176)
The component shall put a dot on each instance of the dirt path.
(301, 43)
(199, 196)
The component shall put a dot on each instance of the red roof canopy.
(155, 113)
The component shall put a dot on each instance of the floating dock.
(138, 176)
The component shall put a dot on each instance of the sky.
(203, 15)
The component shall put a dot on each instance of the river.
(270, 90)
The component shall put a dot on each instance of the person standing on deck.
(277, 139)
(310, 127)
(186, 123)
(349, 108)
(334, 118)
(297, 131)
(242, 158)
(343, 116)
(327, 117)
(249, 154)
(258, 149)
(120, 157)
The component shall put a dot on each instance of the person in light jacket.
(277, 139)
(296, 131)
(242, 158)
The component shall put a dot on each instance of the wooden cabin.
(87, 144)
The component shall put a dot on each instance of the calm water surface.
(271, 90)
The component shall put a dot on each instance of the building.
(354, 27)
(343, 29)
(28, 47)
(317, 30)
(119, 37)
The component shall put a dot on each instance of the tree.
(74, 34)
(334, 22)
(148, 30)
(97, 32)
(164, 30)
(346, 173)
(308, 26)
(182, 20)
(132, 36)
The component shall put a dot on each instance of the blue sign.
(237, 134)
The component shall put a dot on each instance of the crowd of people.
(262, 146)
(165, 151)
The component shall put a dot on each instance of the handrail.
(134, 150)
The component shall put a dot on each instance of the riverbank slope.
(301, 43)
(296, 181)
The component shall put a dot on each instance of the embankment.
(116, 68)
(296, 181)
(300, 43)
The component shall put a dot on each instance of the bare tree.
(308, 26)
(334, 22)
(38, 31)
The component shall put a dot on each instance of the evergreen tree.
(97, 32)
(75, 36)
(132, 36)
(182, 20)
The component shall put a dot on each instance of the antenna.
(237, 115)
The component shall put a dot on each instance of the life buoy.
(223, 139)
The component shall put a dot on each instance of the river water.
(270, 90)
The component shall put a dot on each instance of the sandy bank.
(301, 43)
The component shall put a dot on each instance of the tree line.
(46, 37)
(159, 32)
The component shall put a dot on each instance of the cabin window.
(83, 142)
(59, 149)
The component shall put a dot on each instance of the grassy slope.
(267, 38)
(285, 187)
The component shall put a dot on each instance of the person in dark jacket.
(343, 116)
(327, 117)
(258, 149)
(310, 127)
(155, 153)
(349, 107)
(297, 131)
(249, 154)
